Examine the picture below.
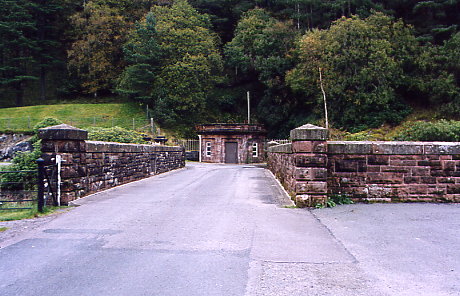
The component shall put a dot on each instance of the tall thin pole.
(249, 109)
(324, 98)
(41, 186)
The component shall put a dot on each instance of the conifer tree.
(16, 46)
(142, 55)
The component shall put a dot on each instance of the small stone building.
(231, 143)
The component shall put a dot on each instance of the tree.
(190, 65)
(17, 47)
(96, 56)
(434, 20)
(259, 54)
(142, 53)
(363, 62)
(46, 16)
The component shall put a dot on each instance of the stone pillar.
(69, 142)
(309, 147)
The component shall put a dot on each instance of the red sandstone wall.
(368, 171)
(397, 172)
(282, 165)
(90, 166)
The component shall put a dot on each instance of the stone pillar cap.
(62, 132)
(309, 132)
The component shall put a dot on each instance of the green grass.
(3, 229)
(80, 115)
(11, 215)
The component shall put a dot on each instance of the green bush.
(115, 134)
(23, 161)
(442, 130)
(49, 121)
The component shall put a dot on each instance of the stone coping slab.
(282, 148)
(62, 132)
(98, 146)
(392, 147)
(309, 132)
(381, 147)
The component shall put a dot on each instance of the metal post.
(199, 148)
(152, 126)
(41, 185)
(249, 110)
(133, 125)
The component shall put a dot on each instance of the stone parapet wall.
(91, 166)
(395, 171)
(366, 171)
(282, 164)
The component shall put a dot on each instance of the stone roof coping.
(62, 132)
(108, 147)
(309, 132)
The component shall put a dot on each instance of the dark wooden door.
(231, 152)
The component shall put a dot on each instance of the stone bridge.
(219, 229)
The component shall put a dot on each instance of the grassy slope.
(79, 115)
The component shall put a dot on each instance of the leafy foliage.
(48, 121)
(190, 66)
(362, 61)
(143, 55)
(115, 134)
(442, 130)
(374, 67)
(96, 55)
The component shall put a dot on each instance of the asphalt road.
(227, 230)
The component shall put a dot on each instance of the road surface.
(213, 229)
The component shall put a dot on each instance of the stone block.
(397, 148)
(311, 160)
(346, 166)
(442, 148)
(314, 187)
(378, 160)
(411, 180)
(310, 200)
(309, 132)
(384, 178)
(309, 147)
(283, 148)
(420, 171)
(453, 189)
(373, 168)
(394, 169)
(311, 174)
(349, 147)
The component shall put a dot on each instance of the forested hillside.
(193, 61)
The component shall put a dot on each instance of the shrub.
(26, 161)
(23, 161)
(442, 130)
(115, 134)
(49, 121)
